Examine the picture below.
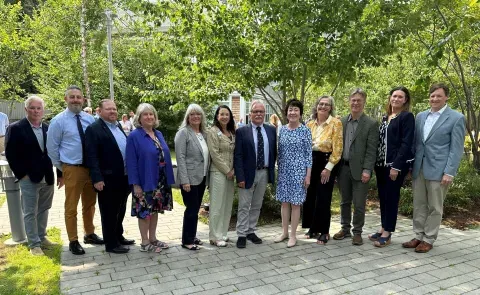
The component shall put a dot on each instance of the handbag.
(175, 177)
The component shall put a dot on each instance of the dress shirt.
(38, 131)
(432, 118)
(265, 141)
(3, 123)
(63, 141)
(120, 138)
(351, 128)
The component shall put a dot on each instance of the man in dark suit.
(360, 141)
(105, 144)
(254, 165)
(26, 152)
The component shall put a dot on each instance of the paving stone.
(385, 288)
(260, 290)
(218, 291)
(88, 281)
(129, 273)
(298, 291)
(116, 283)
(291, 284)
(165, 287)
(104, 291)
(209, 278)
(188, 290)
(249, 284)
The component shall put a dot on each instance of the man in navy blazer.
(26, 152)
(105, 146)
(439, 139)
(254, 165)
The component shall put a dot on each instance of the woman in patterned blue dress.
(294, 168)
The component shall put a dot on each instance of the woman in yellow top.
(221, 143)
(327, 148)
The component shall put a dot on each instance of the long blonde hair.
(274, 120)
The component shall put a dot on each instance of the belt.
(262, 168)
(75, 165)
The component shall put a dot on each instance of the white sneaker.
(37, 251)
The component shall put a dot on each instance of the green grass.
(3, 198)
(173, 156)
(22, 273)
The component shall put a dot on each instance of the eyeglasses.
(322, 105)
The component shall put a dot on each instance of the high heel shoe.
(383, 241)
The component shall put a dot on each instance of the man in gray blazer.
(439, 139)
(360, 140)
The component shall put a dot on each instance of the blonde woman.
(221, 144)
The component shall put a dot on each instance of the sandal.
(150, 248)
(383, 241)
(310, 235)
(193, 247)
(374, 237)
(323, 239)
(197, 241)
(160, 244)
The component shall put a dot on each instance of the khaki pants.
(249, 204)
(2, 144)
(221, 201)
(428, 197)
(78, 183)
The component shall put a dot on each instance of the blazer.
(399, 138)
(245, 158)
(103, 156)
(190, 160)
(442, 150)
(221, 150)
(363, 150)
(142, 160)
(24, 154)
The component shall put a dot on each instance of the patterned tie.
(82, 137)
(260, 150)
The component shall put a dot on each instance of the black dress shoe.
(93, 239)
(241, 242)
(126, 242)
(75, 248)
(253, 237)
(119, 250)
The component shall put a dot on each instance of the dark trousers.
(316, 208)
(192, 201)
(112, 203)
(389, 195)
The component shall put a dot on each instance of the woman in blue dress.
(294, 168)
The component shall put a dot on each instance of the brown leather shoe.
(357, 240)
(341, 235)
(413, 243)
(423, 247)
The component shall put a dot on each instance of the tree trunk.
(83, 34)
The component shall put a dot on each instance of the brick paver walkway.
(452, 267)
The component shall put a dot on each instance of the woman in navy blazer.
(150, 172)
(394, 158)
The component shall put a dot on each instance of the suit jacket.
(24, 154)
(363, 150)
(103, 157)
(142, 160)
(245, 158)
(221, 150)
(400, 136)
(190, 160)
(442, 151)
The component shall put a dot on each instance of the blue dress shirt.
(63, 141)
(120, 138)
(3, 123)
(265, 141)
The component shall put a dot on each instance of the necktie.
(82, 137)
(260, 149)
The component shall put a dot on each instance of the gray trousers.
(428, 197)
(36, 201)
(352, 191)
(249, 204)
(221, 200)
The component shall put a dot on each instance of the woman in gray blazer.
(193, 163)
(221, 143)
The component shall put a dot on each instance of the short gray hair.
(32, 98)
(142, 108)
(332, 106)
(255, 102)
(72, 87)
(360, 92)
(194, 108)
